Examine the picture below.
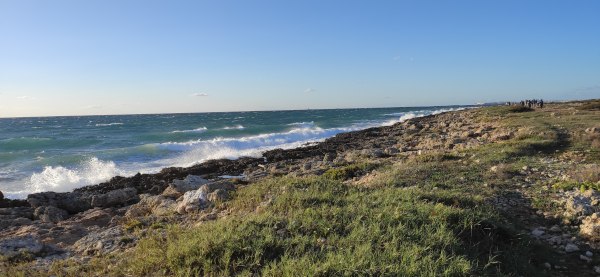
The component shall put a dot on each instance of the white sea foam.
(60, 179)
(108, 124)
(237, 127)
(197, 130)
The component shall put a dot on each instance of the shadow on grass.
(559, 142)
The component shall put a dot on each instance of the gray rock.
(373, 153)
(179, 187)
(115, 198)
(69, 201)
(579, 205)
(555, 228)
(219, 195)
(537, 232)
(14, 247)
(571, 248)
(93, 217)
(194, 200)
(585, 258)
(50, 214)
(101, 242)
(329, 157)
(391, 151)
(152, 204)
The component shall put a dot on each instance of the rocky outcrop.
(152, 205)
(179, 187)
(193, 201)
(50, 214)
(120, 197)
(68, 201)
(101, 242)
(24, 248)
(76, 202)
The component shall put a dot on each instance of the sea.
(63, 153)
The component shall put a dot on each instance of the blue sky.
(115, 57)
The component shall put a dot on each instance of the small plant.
(132, 225)
(571, 185)
(347, 172)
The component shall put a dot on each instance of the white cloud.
(309, 90)
(25, 97)
(199, 94)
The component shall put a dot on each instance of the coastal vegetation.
(500, 190)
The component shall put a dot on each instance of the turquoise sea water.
(63, 153)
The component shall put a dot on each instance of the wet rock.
(50, 214)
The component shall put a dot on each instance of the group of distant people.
(533, 103)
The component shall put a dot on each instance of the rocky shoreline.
(96, 220)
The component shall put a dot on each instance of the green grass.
(318, 226)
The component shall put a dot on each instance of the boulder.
(68, 201)
(194, 200)
(570, 247)
(151, 204)
(114, 198)
(179, 187)
(50, 214)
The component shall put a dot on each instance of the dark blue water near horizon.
(63, 153)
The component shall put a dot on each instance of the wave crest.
(60, 179)
(197, 130)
